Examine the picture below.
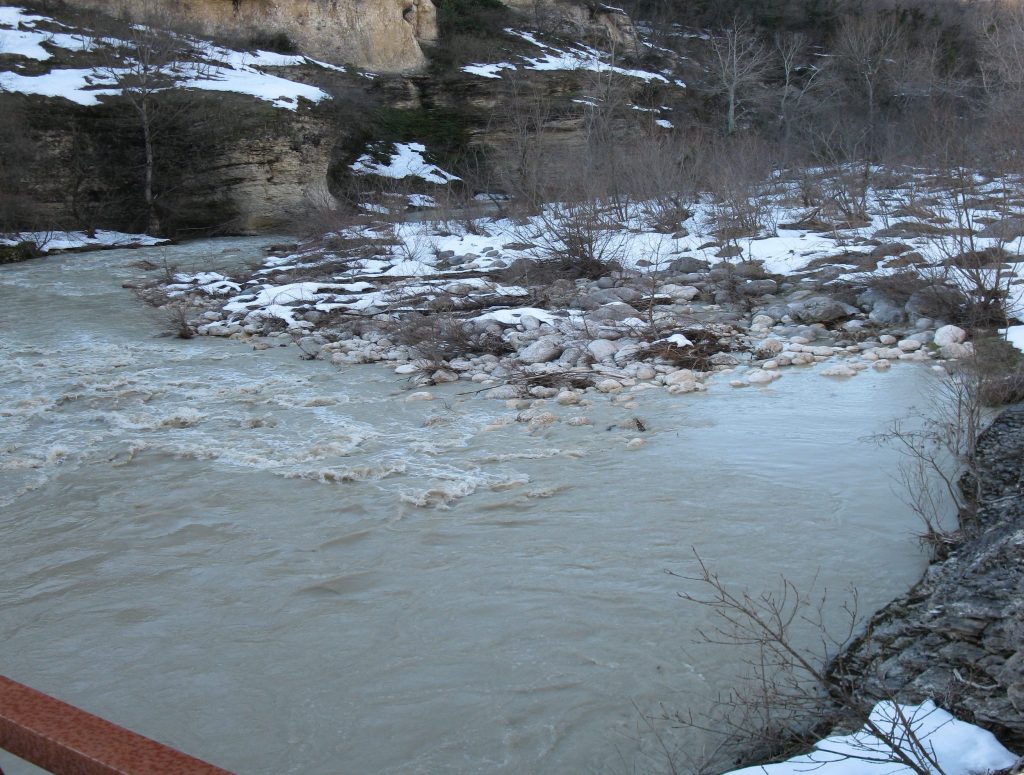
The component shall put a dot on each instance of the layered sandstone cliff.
(381, 35)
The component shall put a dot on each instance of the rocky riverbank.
(958, 635)
(445, 305)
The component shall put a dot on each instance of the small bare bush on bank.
(791, 696)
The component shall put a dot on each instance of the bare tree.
(799, 80)
(144, 65)
(794, 692)
(866, 54)
(1000, 30)
(525, 129)
(736, 67)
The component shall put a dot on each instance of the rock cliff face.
(254, 174)
(385, 36)
(604, 24)
(381, 35)
(273, 176)
(958, 636)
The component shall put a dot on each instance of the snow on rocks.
(404, 160)
(58, 241)
(210, 68)
(958, 748)
(1014, 335)
(441, 303)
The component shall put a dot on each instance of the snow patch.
(958, 747)
(406, 160)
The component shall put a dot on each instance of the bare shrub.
(440, 336)
(939, 475)
(176, 318)
(792, 695)
(705, 345)
(739, 179)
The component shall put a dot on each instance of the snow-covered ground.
(576, 56)
(415, 249)
(209, 68)
(47, 241)
(957, 747)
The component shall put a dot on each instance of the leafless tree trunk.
(737, 65)
(866, 53)
(143, 65)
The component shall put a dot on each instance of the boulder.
(616, 312)
(602, 349)
(762, 377)
(724, 359)
(625, 294)
(886, 313)
(818, 309)
(937, 301)
(685, 386)
(956, 350)
(689, 265)
(682, 293)
(609, 386)
(768, 348)
(544, 350)
(540, 391)
(839, 370)
(444, 375)
(680, 376)
(758, 287)
(626, 353)
(595, 299)
(503, 392)
(949, 335)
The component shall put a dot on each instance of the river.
(285, 567)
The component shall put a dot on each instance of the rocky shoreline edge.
(957, 636)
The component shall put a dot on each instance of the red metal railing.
(68, 741)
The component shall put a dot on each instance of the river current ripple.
(284, 567)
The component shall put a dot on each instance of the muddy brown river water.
(283, 567)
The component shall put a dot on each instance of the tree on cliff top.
(144, 65)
